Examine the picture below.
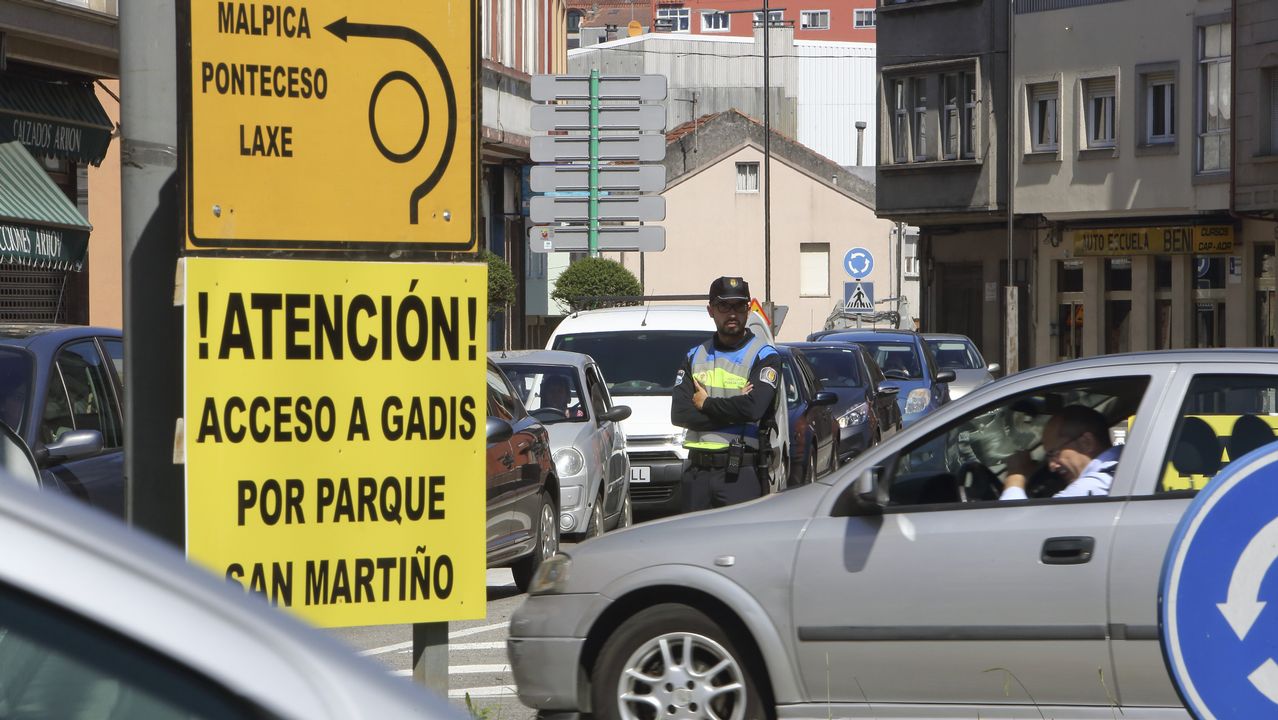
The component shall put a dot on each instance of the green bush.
(501, 283)
(594, 276)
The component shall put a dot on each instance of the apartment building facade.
(819, 20)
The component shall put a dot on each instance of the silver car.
(566, 392)
(959, 353)
(900, 586)
(98, 621)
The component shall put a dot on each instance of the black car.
(813, 430)
(523, 491)
(61, 391)
(867, 409)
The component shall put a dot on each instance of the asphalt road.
(477, 661)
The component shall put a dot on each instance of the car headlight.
(855, 415)
(917, 401)
(569, 461)
(551, 575)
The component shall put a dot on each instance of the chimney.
(860, 140)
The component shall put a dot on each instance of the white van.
(640, 349)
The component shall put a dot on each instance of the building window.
(1043, 106)
(864, 18)
(774, 17)
(747, 177)
(900, 121)
(1213, 110)
(958, 115)
(1160, 108)
(1100, 108)
(574, 22)
(1271, 101)
(909, 256)
(814, 20)
(814, 269)
(918, 87)
(715, 22)
(674, 18)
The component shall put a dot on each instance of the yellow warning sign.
(334, 435)
(330, 125)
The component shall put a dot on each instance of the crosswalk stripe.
(464, 632)
(464, 670)
(477, 646)
(491, 691)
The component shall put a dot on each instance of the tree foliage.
(592, 277)
(501, 283)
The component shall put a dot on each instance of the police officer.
(723, 394)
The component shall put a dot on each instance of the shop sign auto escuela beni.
(1173, 240)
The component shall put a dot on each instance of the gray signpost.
(582, 190)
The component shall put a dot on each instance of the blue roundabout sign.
(858, 262)
(1220, 643)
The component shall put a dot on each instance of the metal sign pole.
(594, 163)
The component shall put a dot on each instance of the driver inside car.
(1077, 448)
(556, 395)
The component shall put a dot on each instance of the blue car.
(907, 363)
(814, 431)
(866, 411)
(61, 391)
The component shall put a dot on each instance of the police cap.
(729, 288)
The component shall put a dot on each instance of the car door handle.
(508, 460)
(1067, 550)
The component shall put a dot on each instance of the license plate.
(640, 474)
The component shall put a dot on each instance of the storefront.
(51, 128)
(1160, 285)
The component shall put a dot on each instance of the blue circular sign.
(1202, 266)
(858, 262)
(1217, 637)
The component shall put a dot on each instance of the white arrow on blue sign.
(1217, 639)
(858, 262)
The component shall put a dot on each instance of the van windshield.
(642, 362)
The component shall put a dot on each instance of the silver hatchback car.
(901, 586)
(567, 392)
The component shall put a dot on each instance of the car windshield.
(834, 367)
(16, 370)
(552, 393)
(901, 357)
(642, 362)
(955, 355)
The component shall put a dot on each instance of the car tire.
(627, 517)
(696, 644)
(546, 545)
(809, 469)
(595, 527)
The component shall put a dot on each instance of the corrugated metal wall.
(819, 89)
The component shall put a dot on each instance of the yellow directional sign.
(330, 125)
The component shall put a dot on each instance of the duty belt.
(717, 460)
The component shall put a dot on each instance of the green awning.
(39, 226)
(61, 119)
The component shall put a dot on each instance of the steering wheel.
(548, 413)
(977, 482)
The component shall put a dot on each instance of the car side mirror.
(498, 430)
(825, 397)
(885, 389)
(868, 494)
(993, 367)
(946, 376)
(616, 414)
(71, 445)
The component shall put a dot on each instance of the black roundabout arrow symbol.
(343, 29)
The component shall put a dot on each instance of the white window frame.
(863, 18)
(951, 115)
(967, 140)
(918, 124)
(1044, 116)
(748, 177)
(680, 17)
(775, 16)
(809, 19)
(710, 18)
(814, 269)
(1100, 112)
(1214, 64)
(1166, 110)
(900, 122)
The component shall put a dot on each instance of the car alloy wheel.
(672, 662)
(627, 513)
(595, 527)
(547, 544)
(549, 531)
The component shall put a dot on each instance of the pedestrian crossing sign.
(858, 296)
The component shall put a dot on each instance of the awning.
(62, 119)
(39, 226)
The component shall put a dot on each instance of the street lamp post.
(1011, 355)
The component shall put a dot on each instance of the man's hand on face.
(1019, 467)
(699, 397)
